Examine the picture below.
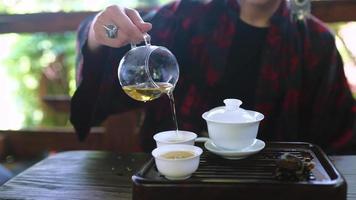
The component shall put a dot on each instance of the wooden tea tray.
(251, 178)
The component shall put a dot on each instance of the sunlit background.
(27, 60)
(36, 65)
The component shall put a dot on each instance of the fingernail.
(146, 23)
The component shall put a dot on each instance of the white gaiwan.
(231, 127)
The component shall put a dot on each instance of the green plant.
(28, 62)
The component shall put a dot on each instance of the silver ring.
(111, 31)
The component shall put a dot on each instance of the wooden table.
(103, 175)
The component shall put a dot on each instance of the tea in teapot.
(146, 72)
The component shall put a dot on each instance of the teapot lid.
(230, 113)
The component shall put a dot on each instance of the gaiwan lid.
(230, 113)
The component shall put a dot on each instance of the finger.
(137, 20)
(119, 17)
(145, 27)
(113, 42)
(133, 15)
(101, 36)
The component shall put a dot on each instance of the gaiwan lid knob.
(230, 113)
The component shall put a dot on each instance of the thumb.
(145, 27)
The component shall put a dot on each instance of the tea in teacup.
(177, 155)
(178, 161)
(169, 137)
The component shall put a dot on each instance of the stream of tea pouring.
(147, 72)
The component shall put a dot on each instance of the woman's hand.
(130, 26)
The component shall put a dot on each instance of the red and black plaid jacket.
(301, 88)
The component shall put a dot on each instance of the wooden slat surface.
(76, 175)
(326, 10)
(102, 175)
(41, 22)
(31, 143)
(347, 167)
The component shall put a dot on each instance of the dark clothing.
(300, 87)
(244, 63)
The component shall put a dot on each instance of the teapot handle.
(133, 45)
(202, 139)
(146, 38)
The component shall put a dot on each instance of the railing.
(27, 143)
(326, 10)
(33, 142)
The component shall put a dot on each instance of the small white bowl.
(177, 169)
(170, 137)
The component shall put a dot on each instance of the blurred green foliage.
(32, 54)
(336, 27)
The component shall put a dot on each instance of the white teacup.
(171, 137)
(177, 168)
(231, 127)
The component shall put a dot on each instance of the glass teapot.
(146, 72)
